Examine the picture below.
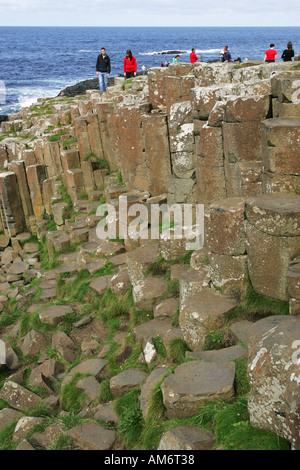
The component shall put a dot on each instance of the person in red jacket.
(130, 66)
(193, 57)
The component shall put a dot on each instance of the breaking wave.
(172, 52)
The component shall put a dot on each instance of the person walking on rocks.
(288, 53)
(130, 65)
(103, 69)
(270, 54)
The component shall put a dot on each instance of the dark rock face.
(81, 87)
(3, 118)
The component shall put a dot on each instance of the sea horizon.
(40, 61)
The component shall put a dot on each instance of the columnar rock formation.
(222, 135)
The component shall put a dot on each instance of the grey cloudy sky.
(149, 13)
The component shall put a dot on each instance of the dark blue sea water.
(41, 61)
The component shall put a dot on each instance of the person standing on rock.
(103, 69)
(270, 54)
(193, 57)
(288, 53)
(130, 65)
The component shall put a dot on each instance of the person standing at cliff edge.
(270, 54)
(103, 69)
(193, 57)
(130, 65)
(288, 53)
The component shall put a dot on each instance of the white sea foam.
(171, 52)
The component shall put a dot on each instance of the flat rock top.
(91, 366)
(222, 355)
(261, 327)
(158, 326)
(282, 122)
(144, 254)
(235, 204)
(187, 437)
(129, 377)
(282, 203)
(209, 303)
(56, 310)
(200, 378)
(92, 436)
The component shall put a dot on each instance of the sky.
(149, 13)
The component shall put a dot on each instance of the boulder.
(64, 345)
(187, 437)
(8, 416)
(54, 314)
(153, 328)
(32, 344)
(202, 313)
(43, 440)
(166, 308)
(93, 367)
(193, 383)
(92, 436)
(90, 387)
(107, 414)
(126, 381)
(273, 373)
(219, 356)
(146, 291)
(139, 260)
(151, 382)
(18, 397)
(24, 425)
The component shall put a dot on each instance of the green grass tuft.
(130, 424)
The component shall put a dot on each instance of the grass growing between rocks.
(6, 437)
(131, 422)
(71, 398)
(11, 314)
(176, 351)
(255, 305)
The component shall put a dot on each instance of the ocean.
(37, 62)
